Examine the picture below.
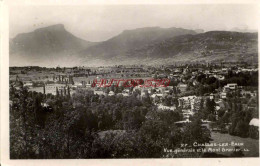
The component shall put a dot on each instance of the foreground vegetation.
(85, 125)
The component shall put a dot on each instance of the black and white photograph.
(132, 81)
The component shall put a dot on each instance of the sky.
(101, 22)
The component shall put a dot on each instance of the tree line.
(86, 125)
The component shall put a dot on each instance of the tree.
(167, 101)
(253, 132)
(107, 90)
(152, 138)
(69, 91)
(57, 92)
(23, 133)
(209, 110)
(156, 99)
(194, 132)
(115, 145)
(146, 99)
(210, 106)
(242, 128)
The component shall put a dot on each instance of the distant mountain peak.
(54, 45)
(133, 39)
(153, 28)
(52, 42)
(199, 30)
(56, 27)
(140, 29)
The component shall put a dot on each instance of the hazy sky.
(97, 23)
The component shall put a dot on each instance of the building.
(159, 95)
(254, 128)
(251, 93)
(49, 88)
(211, 96)
(182, 87)
(125, 94)
(223, 95)
(99, 92)
(229, 87)
(111, 93)
(187, 102)
(254, 122)
(28, 84)
(162, 107)
(187, 113)
(197, 103)
(219, 77)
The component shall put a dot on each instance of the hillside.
(53, 46)
(45, 45)
(213, 46)
(209, 46)
(131, 40)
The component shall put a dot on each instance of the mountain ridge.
(46, 45)
(54, 45)
(132, 39)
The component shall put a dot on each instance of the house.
(162, 107)
(28, 84)
(194, 73)
(245, 92)
(219, 77)
(195, 82)
(99, 92)
(169, 87)
(228, 87)
(187, 113)
(49, 88)
(225, 70)
(187, 102)
(182, 87)
(254, 122)
(126, 91)
(125, 94)
(254, 128)
(180, 123)
(144, 92)
(78, 84)
(167, 92)
(247, 70)
(211, 96)
(197, 103)
(223, 95)
(111, 93)
(186, 70)
(88, 85)
(44, 105)
(232, 86)
(160, 95)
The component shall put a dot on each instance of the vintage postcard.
(170, 81)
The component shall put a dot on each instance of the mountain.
(208, 47)
(199, 30)
(46, 45)
(213, 46)
(245, 29)
(131, 40)
(52, 46)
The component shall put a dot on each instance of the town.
(223, 95)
